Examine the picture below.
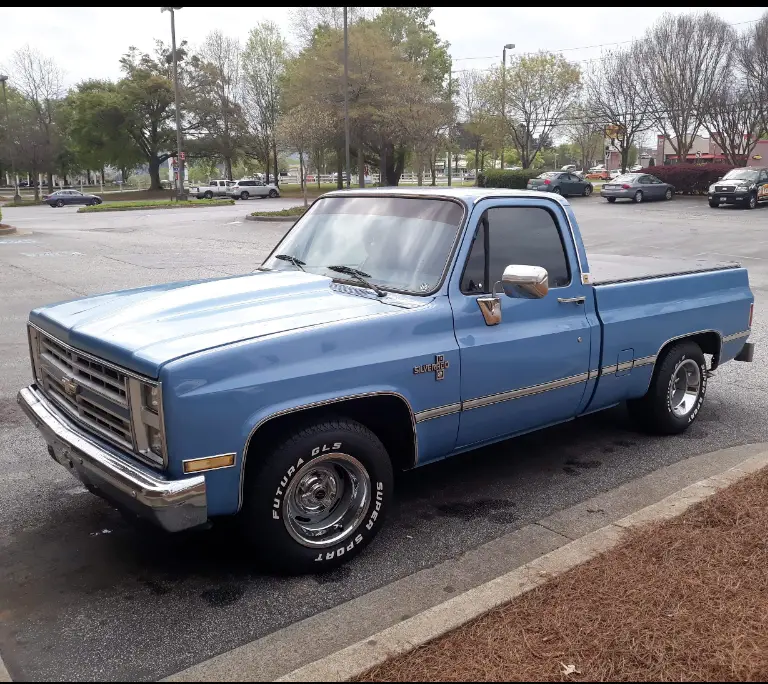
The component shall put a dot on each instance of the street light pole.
(346, 96)
(508, 46)
(180, 195)
(450, 122)
(16, 196)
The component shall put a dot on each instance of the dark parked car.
(746, 187)
(62, 197)
(637, 187)
(561, 183)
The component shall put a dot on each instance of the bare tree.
(683, 63)
(476, 107)
(753, 59)
(734, 121)
(617, 100)
(39, 79)
(264, 61)
(221, 58)
(585, 130)
(539, 90)
(306, 20)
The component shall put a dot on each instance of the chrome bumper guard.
(174, 505)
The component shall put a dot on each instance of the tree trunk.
(477, 158)
(340, 168)
(154, 174)
(274, 156)
(36, 175)
(303, 184)
(66, 180)
(419, 169)
(383, 165)
(88, 177)
(228, 168)
(432, 165)
(124, 174)
(360, 166)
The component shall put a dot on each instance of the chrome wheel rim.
(684, 388)
(638, 196)
(326, 500)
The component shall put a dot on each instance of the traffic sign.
(182, 155)
(175, 169)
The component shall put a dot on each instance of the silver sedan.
(638, 187)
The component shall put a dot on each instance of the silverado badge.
(438, 367)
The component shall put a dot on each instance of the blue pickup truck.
(388, 329)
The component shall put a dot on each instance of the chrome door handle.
(571, 300)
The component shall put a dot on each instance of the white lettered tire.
(318, 498)
(676, 393)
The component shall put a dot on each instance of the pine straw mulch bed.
(682, 600)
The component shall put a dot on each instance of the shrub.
(291, 211)
(691, 179)
(515, 180)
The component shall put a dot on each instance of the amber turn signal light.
(210, 463)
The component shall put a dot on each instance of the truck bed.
(608, 269)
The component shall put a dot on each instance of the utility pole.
(180, 195)
(508, 46)
(450, 122)
(11, 154)
(346, 95)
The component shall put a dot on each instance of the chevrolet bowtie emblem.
(70, 386)
(438, 367)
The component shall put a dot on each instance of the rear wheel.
(208, 194)
(611, 199)
(59, 203)
(638, 197)
(557, 190)
(318, 498)
(244, 195)
(273, 193)
(588, 190)
(676, 393)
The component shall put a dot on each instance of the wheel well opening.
(386, 415)
(708, 341)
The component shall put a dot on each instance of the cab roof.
(467, 195)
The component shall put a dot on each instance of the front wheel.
(587, 190)
(714, 205)
(318, 498)
(638, 197)
(677, 391)
(668, 194)
(752, 201)
(611, 199)
(59, 203)
(273, 193)
(94, 202)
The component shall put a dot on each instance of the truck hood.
(144, 328)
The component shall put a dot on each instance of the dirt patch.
(683, 600)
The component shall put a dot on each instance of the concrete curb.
(7, 230)
(354, 660)
(272, 219)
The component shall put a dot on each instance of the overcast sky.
(88, 42)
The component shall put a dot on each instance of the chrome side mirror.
(525, 282)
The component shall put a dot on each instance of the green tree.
(540, 88)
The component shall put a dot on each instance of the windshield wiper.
(291, 260)
(360, 276)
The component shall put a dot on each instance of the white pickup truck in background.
(216, 188)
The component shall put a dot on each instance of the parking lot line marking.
(4, 676)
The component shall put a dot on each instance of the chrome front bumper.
(174, 505)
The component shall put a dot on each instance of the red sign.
(183, 156)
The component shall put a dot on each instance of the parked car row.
(242, 189)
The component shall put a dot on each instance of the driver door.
(530, 368)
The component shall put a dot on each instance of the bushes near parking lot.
(159, 204)
(690, 179)
(515, 180)
(291, 211)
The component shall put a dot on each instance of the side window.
(763, 176)
(515, 235)
(645, 180)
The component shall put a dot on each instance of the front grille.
(95, 394)
(723, 188)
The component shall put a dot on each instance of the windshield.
(398, 243)
(741, 174)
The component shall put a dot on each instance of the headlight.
(740, 188)
(155, 440)
(147, 417)
(152, 397)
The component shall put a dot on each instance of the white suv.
(245, 189)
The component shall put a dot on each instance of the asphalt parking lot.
(86, 596)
